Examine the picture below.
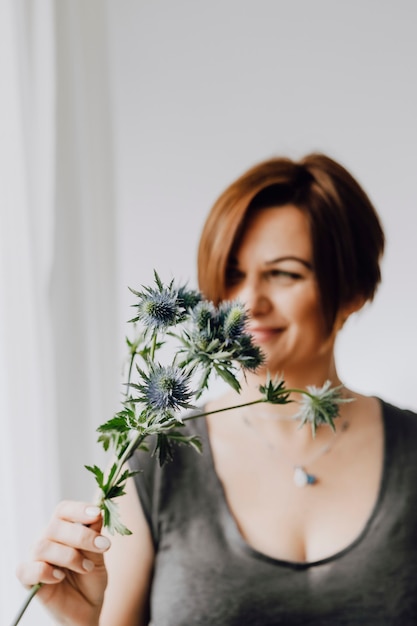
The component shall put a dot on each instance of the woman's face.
(273, 275)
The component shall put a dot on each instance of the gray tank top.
(207, 575)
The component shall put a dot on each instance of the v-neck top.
(206, 574)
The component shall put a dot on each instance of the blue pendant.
(302, 478)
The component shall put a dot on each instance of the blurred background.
(120, 124)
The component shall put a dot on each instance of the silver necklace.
(301, 477)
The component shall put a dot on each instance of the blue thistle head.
(233, 317)
(158, 310)
(166, 387)
(248, 354)
(204, 316)
(158, 307)
(164, 305)
(188, 299)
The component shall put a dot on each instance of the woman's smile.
(264, 334)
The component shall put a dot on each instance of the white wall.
(203, 90)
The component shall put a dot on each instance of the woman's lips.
(262, 334)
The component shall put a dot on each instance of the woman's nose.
(256, 300)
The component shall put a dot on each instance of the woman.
(269, 525)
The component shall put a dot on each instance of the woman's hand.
(68, 558)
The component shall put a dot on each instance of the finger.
(62, 556)
(77, 536)
(81, 512)
(35, 572)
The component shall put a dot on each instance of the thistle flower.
(274, 390)
(157, 310)
(188, 299)
(320, 405)
(163, 306)
(234, 318)
(166, 387)
(247, 353)
(222, 331)
(203, 318)
(215, 341)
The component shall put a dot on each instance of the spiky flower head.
(158, 307)
(166, 387)
(163, 306)
(248, 354)
(188, 299)
(320, 405)
(204, 316)
(274, 390)
(158, 310)
(234, 318)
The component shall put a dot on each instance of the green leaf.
(228, 377)
(163, 449)
(158, 280)
(111, 474)
(116, 423)
(97, 473)
(106, 441)
(111, 518)
(115, 492)
(135, 293)
(191, 440)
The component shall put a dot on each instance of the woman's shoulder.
(375, 405)
(403, 412)
(400, 420)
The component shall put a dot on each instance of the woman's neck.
(315, 374)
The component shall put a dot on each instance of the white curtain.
(59, 364)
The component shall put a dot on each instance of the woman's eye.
(284, 275)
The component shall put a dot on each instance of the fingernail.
(88, 565)
(101, 542)
(58, 574)
(92, 511)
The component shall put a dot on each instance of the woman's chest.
(293, 520)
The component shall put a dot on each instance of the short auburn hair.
(347, 236)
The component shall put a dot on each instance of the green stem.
(227, 408)
(125, 456)
(304, 392)
(240, 406)
(153, 345)
(33, 591)
(129, 376)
